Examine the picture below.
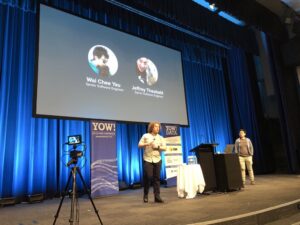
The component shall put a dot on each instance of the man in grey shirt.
(244, 148)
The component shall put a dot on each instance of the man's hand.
(155, 146)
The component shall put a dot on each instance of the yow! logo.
(104, 126)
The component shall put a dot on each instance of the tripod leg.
(73, 200)
(77, 211)
(89, 194)
(62, 199)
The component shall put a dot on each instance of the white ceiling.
(282, 8)
(294, 4)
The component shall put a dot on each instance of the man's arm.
(236, 146)
(162, 146)
(143, 144)
(251, 150)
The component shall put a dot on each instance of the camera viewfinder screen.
(74, 139)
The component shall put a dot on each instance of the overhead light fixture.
(211, 7)
(231, 18)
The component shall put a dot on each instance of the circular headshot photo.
(146, 71)
(103, 61)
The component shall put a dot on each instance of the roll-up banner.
(104, 171)
(173, 154)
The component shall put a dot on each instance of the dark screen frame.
(34, 107)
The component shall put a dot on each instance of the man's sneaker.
(145, 198)
(158, 199)
(252, 182)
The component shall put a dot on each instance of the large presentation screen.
(89, 71)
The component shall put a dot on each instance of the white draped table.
(190, 180)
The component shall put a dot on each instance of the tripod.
(74, 214)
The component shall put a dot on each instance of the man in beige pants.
(244, 148)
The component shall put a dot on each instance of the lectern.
(228, 172)
(205, 156)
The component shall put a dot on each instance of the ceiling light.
(231, 18)
(212, 6)
(205, 4)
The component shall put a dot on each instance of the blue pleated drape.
(207, 107)
(129, 156)
(243, 108)
(32, 150)
(33, 154)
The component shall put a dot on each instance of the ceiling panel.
(294, 4)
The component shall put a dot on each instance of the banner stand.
(104, 170)
(173, 154)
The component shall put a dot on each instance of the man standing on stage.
(153, 144)
(244, 148)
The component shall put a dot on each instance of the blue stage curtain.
(285, 88)
(207, 106)
(243, 108)
(33, 154)
(130, 168)
(32, 149)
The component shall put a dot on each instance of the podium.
(206, 147)
(228, 172)
(205, 156)
(221, 172)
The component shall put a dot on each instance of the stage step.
(282, 214)
(292, 220)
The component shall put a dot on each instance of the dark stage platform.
(275, 199)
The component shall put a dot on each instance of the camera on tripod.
(74, 140)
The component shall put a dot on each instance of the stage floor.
(127, 207)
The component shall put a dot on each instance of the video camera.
(74, 140)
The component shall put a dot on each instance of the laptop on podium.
(229, 149)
